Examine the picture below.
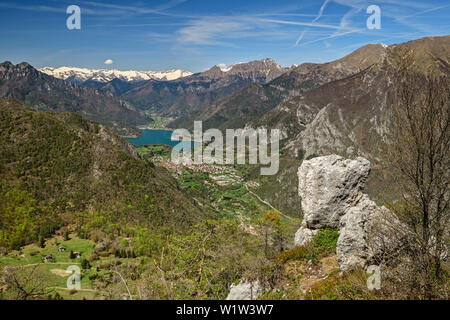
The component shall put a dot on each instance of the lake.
(159, 137)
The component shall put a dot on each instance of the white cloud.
(108, 62)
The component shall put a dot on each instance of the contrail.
(322, 8)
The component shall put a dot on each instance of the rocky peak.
(6, 64)
(213, 73)
(9, 70)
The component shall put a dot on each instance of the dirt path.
(41, 263)
(268, 204)
(62, 288)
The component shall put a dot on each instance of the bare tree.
(25, 283)
(420, 154)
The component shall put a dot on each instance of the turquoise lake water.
(159, 137)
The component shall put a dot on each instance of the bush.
(297, 253)
(66, 235)
(351, 285)
(85, 264)
(33, 253)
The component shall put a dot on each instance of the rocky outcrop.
(245, 291)
(329, 187)
(353, 247)
(304, 235)
(332, 195)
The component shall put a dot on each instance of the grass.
(322, 244)
(55, 272)
(350, 285)
(32, 254)
(150, 151)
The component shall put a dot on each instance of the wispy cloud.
(322, 9)
(220, 29)
(97, 8)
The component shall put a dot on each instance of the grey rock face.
(304, 236)
(245, 291)
(329, 186)
(332, 195)
(353, 247)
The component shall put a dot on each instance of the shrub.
(85, 264)
(325, 241)
(66, 235)
(296, 253)
(351, 285)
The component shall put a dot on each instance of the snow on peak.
(226, 68)
(106, 75)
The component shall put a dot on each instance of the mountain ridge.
(257, 99)
(46, 93)
(188, 94)
(80, 75)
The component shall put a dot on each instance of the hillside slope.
(250, 103)
(351, 116)
(66, 164)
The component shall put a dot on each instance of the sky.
(195, 35)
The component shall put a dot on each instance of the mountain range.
(46, 93)
(251, 102)
(192, 93)
(173, 231)
(80, 75)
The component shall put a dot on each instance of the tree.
(25, 283)
(85, 264)
(66, 235)
(273, 232)
(420, 155)
(41, 242)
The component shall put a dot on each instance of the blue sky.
(197, 34)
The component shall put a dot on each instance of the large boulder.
(304, 235)
(329, 187)
(245, 291)
(354, 248)
(332, 195)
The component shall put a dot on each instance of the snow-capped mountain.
(266, 65)
(80, 75)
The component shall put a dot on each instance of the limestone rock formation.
(328, 187)
(332, 195)
(245, 291)
(304, 235)
(353, 247)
